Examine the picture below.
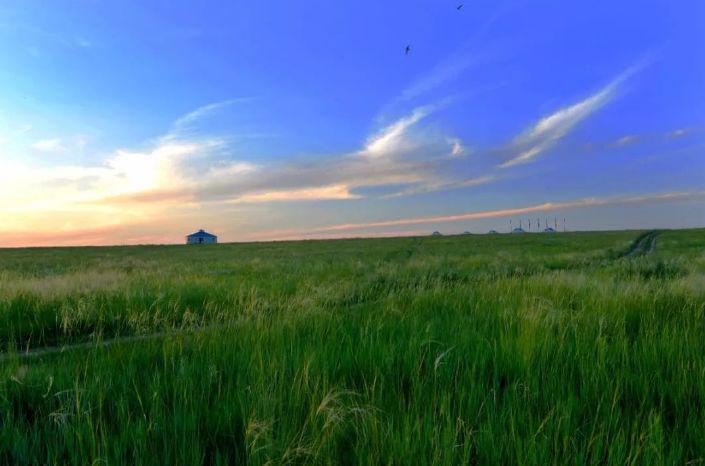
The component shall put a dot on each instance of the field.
(576, 348)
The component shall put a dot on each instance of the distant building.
(549, 230)
(518, 230)
(436, 233)
(492, 232)
(467, 233)
(201, 237)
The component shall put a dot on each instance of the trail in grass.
(49, 350)
(643, 245)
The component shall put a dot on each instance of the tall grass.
(481, 350)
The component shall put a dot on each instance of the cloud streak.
(392, 139)
(49, 145)
(545, 207)
(333, 192)
(202, 112)
(550, 129)
(455, 65)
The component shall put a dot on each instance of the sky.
(125, 122)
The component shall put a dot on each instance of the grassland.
(578, 348)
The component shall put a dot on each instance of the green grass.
(502, 349)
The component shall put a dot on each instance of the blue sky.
(132, 122)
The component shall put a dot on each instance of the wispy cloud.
(392, 139)
(334, 192)
(204, 111)
(552, 128)
(679, 133)
(626, 140)
(444, 185)
(202, 121)
(457, 148)
(288, 235)
(49, 145)
(545, 207)
(443, 73)
(457, 63)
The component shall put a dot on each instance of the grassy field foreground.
(578, 348)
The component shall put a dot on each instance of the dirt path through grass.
(49, 350)
(643, 245)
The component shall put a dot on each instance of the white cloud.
(457, 148)
(550, 129)
(185, 122)
(50, 145)
(229, 170)
(304, 194)
(392, 139)
(441, 74)
(443, 184)
(626, 140)
(523, 157)
(679, 133)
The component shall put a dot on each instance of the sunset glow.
(109, 136)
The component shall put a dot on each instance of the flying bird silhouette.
(459, 7)
(407, 50)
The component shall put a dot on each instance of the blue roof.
(202, 234)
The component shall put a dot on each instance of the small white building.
(201, 237)
(518, 230)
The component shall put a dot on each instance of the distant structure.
(467, 233)
(519, 229)
(201, 237)
(492, 232)
(436, 233)
(548, 229)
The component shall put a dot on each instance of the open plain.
(575, 348)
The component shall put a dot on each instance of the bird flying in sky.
(407, 50)
(459, 7)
